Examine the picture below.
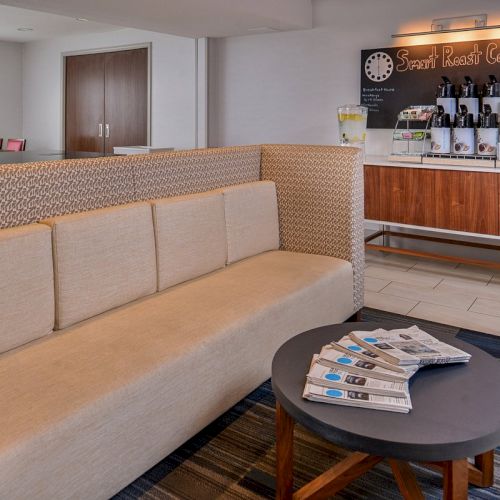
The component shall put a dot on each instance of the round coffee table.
(455, 415)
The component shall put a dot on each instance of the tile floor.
(454, 294)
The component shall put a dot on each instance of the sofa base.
(355, 318)
(93, 407)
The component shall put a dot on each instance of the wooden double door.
(106, 101)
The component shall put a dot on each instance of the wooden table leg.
(284, 454)
(338, 477)
(481, 473)
(485, 465)
(407, 482)
(455, 479)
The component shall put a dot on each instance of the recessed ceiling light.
(82, 19)
(24, 28)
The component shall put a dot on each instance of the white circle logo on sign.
(379, 66)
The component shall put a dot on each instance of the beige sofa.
(125, 330)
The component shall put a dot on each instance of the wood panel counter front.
(459, 200)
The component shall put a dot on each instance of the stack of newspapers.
(371, 369)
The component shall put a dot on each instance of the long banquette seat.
(126, 329)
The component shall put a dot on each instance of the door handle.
(107, 130)
(100, 129)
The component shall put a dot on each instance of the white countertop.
(383, 161)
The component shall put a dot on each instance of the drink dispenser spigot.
(487, 132)
(469, 96)
(440, 132)
(491, 94)
(463, 132)
(446, 96)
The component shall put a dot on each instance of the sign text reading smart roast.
(396, 77)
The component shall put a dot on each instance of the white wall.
(285, 87)
(11, 71)
(174, 110)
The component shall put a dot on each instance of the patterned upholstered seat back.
(321, 202)
(31, 192)
(319, 188)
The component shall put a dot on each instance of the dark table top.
(7, 157)
(456, 408)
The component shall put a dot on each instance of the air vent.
(263, 29)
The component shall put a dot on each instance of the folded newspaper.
(408, 346)
(331, 357)
(371, 369)
(338, 379)
(348, 346)
(356, 398)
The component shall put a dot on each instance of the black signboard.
(397, 77)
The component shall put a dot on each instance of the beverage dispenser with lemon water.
(352, 125)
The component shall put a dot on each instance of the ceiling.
(43, 25)
(192, 18)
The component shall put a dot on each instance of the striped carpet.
(234, 457)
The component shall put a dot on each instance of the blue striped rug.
(234, 457)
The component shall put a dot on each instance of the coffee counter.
(449, 198)
(383, 161)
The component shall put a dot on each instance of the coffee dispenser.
(469, 96)
(491, 94)
(463, 132)
(440, 132)
(487, 132)
(446, 97)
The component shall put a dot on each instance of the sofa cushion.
(190, 234)
(251, 219)
(124, 389)
(26, 285)
(102, 259)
